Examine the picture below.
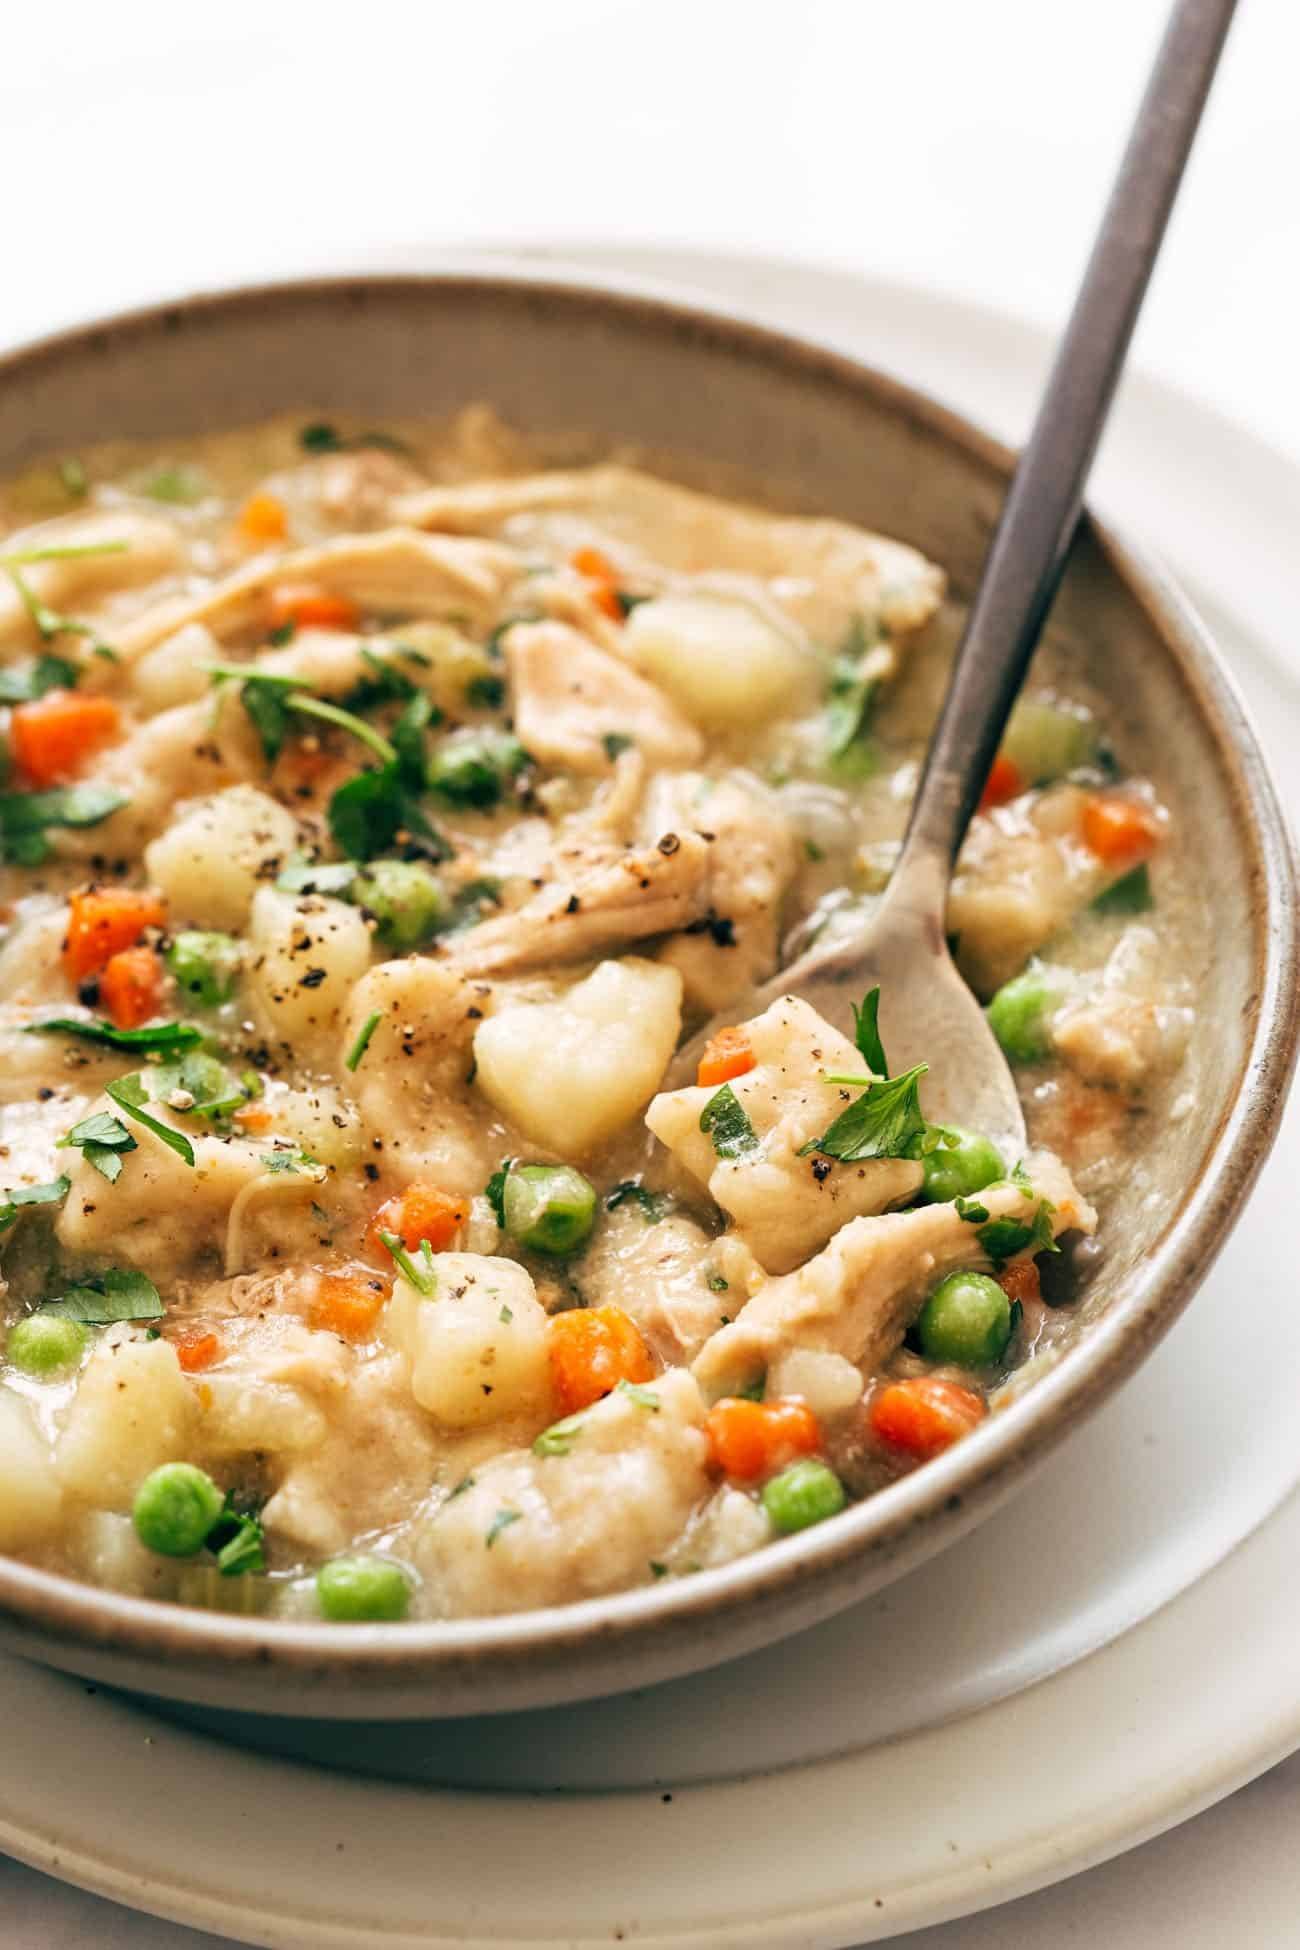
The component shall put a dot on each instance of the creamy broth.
(382, 809)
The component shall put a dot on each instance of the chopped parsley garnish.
(755, 1391)
(362, 1044)
(72, 474)
(303, 876)
(45, 674)
(884, 1122)
(369, 812)
(270, 697)
(25, 817)
(560, 1437)
(1002, 1239)
(50, 622)
(101, 1140)
(238, 1541)
(852, 693)
(320, 437)
(1131, 895)
(506, 1314)
(485, 693)
(643, 1397)
(465, 1483)
(156, 1036)
(867, 1036)
(49, 1194)
(104, 1298)
(418, 1269)
(501, 1521)
(653, 1205)
(130, 1094)
(971, 1210)
(495, 1189)
(725, 1121)
(716, 1283)
(616, 743)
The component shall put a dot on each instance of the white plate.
(954, 1812)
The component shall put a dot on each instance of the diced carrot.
(305, 605)
(55, 734)
(131, 987)
(104, 920)
(254, 1117)
(924, 1416)
(347, 1304)
(591, 1350)
(1117, 828)
(1020, 1281)
(263, 518)
(1003, 782)
(197, 1351)
(420, 1212)
(728, 1054)
(599, 571)
(749, 1440)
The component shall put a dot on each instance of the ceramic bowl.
(710, 396)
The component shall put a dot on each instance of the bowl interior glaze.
(711, 400)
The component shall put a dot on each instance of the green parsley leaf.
(755, 1391)
(417, 715)
(320, 707)
(367, 813)
(852, 694)
(716, 1283)
(485, 693)
(418, 1271)
(616, 743)
(362, 1044)
(506, 1314)
(26, 816)
(867, 1036)
(885, 1122)
(1131, 895)
(971, 1210)
(158, 1036)
(320, 438)
(653, 1205)
(100, 1139)
(237, 1540)
(49, 1194)
(45, 674)
(501, 1521)
(1002, 1239)
(495, 1190)
(129, 1094)
(465, 1483)
(724, 1119)
(119, 1294)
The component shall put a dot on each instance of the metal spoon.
(927, 1013)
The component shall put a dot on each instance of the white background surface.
(149, 149)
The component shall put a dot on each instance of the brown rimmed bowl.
(710, 396)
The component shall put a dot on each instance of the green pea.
(804, 1493)
(362, 1588)
(405, 900)
(549, 1208)
(1018, 1015)
(206, 964)
(966, 1319)
(44, 1343)
(175, 1507)
(475, 767)
(956, 1170)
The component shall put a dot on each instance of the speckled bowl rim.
(593, 1646)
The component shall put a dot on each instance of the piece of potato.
(720, 659)
(571, 1073)
(30, 1492)
(208, 862)
(306, 953)
(132, 1410)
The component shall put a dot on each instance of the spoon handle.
(1042, 508)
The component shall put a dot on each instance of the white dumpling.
(720, 658)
